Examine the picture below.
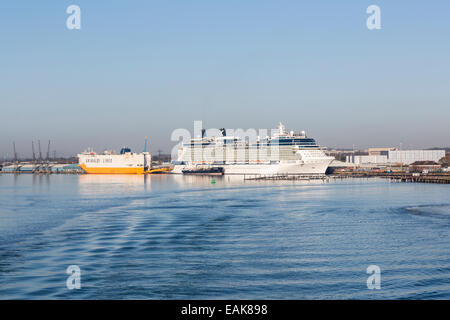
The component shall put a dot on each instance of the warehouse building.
(11, 168)
(411, 156)
(28, 168)
(370, 159)
(424, 166)
(400, 157)
(65, 168)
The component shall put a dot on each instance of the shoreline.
(436, 178)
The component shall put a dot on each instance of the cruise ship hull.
(316, 168)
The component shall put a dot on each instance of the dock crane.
(40, 156)
(16, 161)
(35, 168)
(48, 151)
(47, 159)
(32, 150)
(40, 153)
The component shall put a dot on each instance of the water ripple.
(172, 238)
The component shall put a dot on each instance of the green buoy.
(213, 181)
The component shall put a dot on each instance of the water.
(175, 237)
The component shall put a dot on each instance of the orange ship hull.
(105, 170)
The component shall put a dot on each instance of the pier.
(285, 177)
(440, 178)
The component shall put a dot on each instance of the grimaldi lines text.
(291, 153)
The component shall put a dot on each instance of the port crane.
(16, 161)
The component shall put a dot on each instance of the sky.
(146, 68)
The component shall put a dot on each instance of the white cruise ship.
(285, 153)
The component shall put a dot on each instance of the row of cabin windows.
(278, 143)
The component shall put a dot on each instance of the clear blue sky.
(140, 68)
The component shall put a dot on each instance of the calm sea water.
(175, 237)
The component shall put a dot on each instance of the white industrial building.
(404, 157)
(375, 160)
(411, 156)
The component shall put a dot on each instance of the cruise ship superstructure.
(287, 153)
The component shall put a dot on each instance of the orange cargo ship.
(126, 162)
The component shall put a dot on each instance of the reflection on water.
(173, 236)
(100, 184)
